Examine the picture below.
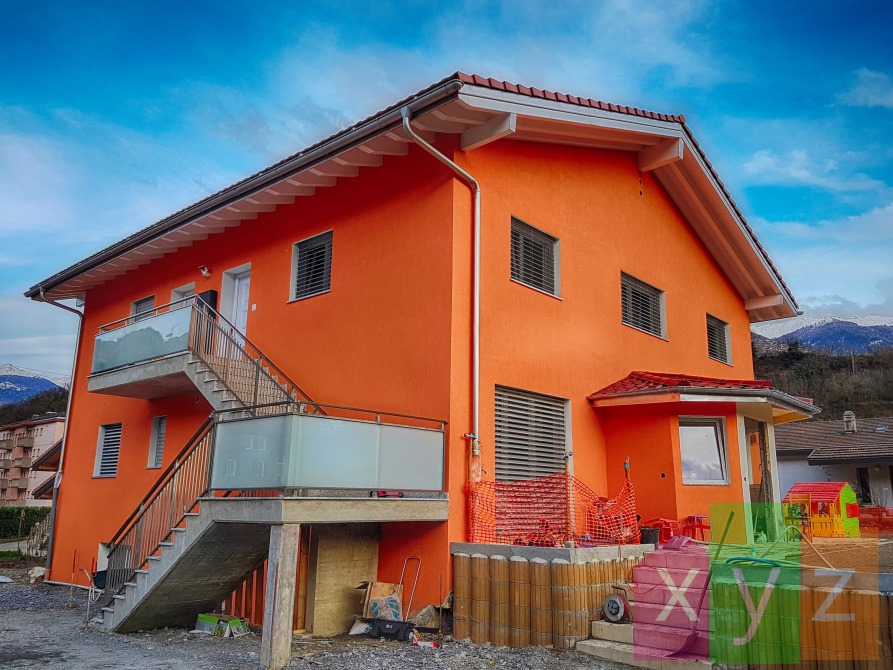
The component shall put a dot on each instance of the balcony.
(6, 444)
(24, 442)
(4, 484)
(310, 451)
(144, 356)
(21, 463)
(21, 483)
(6, 463)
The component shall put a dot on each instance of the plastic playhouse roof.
(819, 491)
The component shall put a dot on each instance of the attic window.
(312, 266)
(718, 340)
(534, 258)
(642, 306)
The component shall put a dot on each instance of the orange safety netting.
(549, 511)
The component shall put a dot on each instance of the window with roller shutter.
(156, 444)
(531, 434)
(642, 306)
(312, 266)
(718, 340)
(534, 258)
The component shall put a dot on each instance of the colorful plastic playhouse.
(822, 509)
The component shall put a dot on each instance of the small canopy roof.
(641, 387)
(820, 492)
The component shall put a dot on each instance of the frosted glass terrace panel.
(411, 458)
(336, 453)
(252, 454)
(144, 340)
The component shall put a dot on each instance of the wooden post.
(480, 598)
(519, 602)
(499, 601)
(540, 603)
(461, 596)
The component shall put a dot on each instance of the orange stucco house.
(509, 282)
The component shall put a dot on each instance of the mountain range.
(833, 334)
(17, 384)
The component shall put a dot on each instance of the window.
(312, 263)
(642, 305)
(702, 444)
(140, 306)
(531, 434)
(534, 258)
(183, 292)
(718, 340)
(107, 450)
(156, 442)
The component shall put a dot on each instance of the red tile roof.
(819, 491)
(826, 442)
(458, 78)
(643, 382)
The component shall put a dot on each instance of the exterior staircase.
(169, 561)
(201, 564)
(657, 631)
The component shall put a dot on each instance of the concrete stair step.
(640, 657)
(682, 559)
(661, 595)
(650, 636)
(676, 617)
(651, 574)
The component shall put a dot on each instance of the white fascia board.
(695, 155)
(478, 97)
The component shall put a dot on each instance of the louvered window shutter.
(533, 257)
(641, 305)
(158, 445)
(717, 339)
(313, 266)
(110, 446)
(531, 434)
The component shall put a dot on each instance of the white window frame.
(716, 322)
(296, 265)
(525, 231)
(505, 442)
(185, 291)
(719, 426)
(628, 283)
(100, 450)
(156, 450)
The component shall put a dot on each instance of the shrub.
(11, 517)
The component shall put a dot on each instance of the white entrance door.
(240, 303)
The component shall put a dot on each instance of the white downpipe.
(474, 435)
(57, 482)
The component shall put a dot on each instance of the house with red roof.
(300, 377)
(857, 451)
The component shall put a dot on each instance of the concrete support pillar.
(279, 602)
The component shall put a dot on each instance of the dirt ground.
(38, 629)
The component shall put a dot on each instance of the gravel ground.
(38, 629)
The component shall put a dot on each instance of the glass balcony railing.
(134, 341)
(325, 452)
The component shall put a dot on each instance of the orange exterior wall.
(394, 333)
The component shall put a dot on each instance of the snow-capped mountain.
(860, 334)
(17, 384)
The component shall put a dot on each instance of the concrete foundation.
(279, 603)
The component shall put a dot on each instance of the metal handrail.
(300, 408)
(175, 493)
(148, 313)
(223, 348)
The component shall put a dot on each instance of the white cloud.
(801, 167)
(35, 335)
(872, 227)
(872, 89)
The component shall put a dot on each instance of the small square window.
(142, 309)
(642, 305)
(312, 266)
(534, 258)
(718, 340)
(702, 446)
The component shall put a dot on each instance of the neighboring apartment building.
(21, 444)
(603, 245)
(859, 452)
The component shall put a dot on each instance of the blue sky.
(113, 115)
